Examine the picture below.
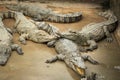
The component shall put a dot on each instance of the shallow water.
(32, 66)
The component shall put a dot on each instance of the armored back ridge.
(40, 13)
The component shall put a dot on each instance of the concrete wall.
(115, 6)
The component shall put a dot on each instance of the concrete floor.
(32, 66)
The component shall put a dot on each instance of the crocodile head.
(77, 64)
(5, 51)
(78, 37)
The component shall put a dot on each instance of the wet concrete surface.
(32, 66)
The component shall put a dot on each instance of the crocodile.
(40, 13)
(28, 30)
(94, 32)
(6, 43)
(68, 51)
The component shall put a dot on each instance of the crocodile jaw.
(77, 64)
(80, 71)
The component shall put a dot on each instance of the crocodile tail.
(52, 30)
(7, 14)
(109, 15)
(65, 18)
(13, 7)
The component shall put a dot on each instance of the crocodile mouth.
(80, 71)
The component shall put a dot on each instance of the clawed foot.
(72, 31)
(95, 62)
(92, 76)
(88, 49)
(109, 39)
(20, 52)
(83, 50)
(91, 48)
(48, 61)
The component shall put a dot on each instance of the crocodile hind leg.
(89, 58)
(107, 33)
(23, 38)
(55, 58)
(92, 45)
(16, 47)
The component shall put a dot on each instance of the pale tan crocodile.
(27, 29)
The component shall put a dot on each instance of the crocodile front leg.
(89, 58)
(23, 38)
(107, 33)
(92, 45)
(55, 58)
(16, 47)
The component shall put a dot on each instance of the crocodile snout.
(80, 71)
(3, 61)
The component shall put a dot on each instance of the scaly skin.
(28, 30)
(40, 13)
(52, 30)
(94, 32)
(6, 43)
(68, 52)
